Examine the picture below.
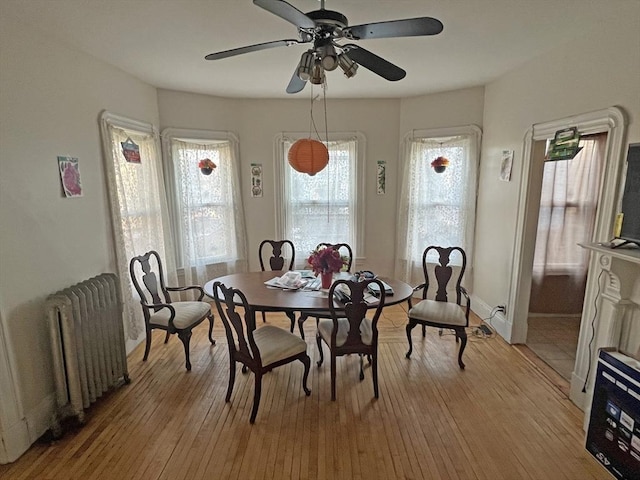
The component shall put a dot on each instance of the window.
(138, 203)
(207, 210)
(323, 207)
(568, 207)
(436, 208)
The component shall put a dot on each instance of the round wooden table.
(266, 298)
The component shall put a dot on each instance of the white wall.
(50, 100)
(447, 109)
(597, 71)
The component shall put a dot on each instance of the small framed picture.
(256, 180)
(70, 176)
(505, 166)
(381, 177)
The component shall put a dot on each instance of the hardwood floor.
(554, 338)
(498, 419)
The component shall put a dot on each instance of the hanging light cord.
(326, 133)
(324, 99)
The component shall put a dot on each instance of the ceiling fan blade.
(374, 63)
(409, 27)
(252, 48)
(296, 84)
(286, 11)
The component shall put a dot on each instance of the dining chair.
(436, 309)
(276, 259)
(350, 331)
(159, 311)
(257, 349)
(277, 252)
(347, 253)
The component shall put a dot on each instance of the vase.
(326, 279)
(206, 171)
(440, 168)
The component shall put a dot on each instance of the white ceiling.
(163, 42)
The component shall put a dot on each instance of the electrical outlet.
(501, 308)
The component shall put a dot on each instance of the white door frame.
(613, 121)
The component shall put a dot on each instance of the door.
(567, 216)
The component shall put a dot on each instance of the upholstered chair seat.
(276, 344)
(443, 313)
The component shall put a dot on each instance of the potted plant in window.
(325, 261)
(440, 164)
(206, 166)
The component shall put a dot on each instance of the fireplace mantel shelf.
(630, 254)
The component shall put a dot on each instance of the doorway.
(567, 217)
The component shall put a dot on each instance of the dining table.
(262, 297)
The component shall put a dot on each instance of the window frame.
(167, 137)
(410, 269)
(357, 188)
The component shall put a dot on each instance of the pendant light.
(308, 155)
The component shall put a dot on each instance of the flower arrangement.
(440, 162)
(326, 260)
(206, 163)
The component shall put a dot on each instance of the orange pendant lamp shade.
(308, 156)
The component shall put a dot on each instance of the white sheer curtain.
(436, 208)
(210, 225)
(138, 206)
(568, 203)
(323, 207)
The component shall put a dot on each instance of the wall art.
(381, 177)
(70, 176)
(256, 179)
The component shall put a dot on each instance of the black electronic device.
(630, 231)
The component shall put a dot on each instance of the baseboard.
(498, 322)
(18, 438)
(576, 394)
(14, 441)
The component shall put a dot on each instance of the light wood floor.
(554, 338)
(499, 419)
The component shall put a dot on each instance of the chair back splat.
(277, 262)
(443, 272)
(158, 309)
(349, 330)
(257, 349)
(276, 258)
(437, 310)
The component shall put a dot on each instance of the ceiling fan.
(325, 28)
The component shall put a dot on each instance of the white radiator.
(87, 340)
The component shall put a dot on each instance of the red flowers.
(206, 163)
(440, 162)
(326, 260)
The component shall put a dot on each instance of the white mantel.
(611, 314)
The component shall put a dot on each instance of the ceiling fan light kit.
(305, 67)
(325, 28)
(348, 66)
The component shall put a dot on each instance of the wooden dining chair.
(350, 331)
(276, 259)
(159, 311)
(436, 309)
(347, 253)
(257, 349)
(280, 254)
